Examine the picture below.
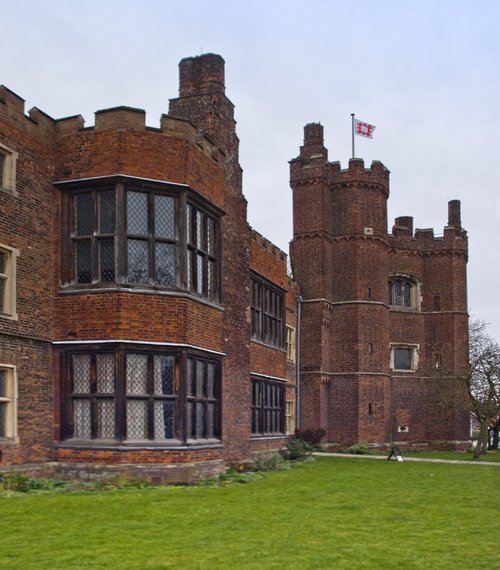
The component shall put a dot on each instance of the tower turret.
(339, 258)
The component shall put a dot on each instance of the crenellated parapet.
(311, 167)
(36, 123)
(375, 178)
(424, 241)
(269, 247)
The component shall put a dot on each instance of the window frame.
(8, 170)
(414, 300)
(289, 416)
(92, 396)
(290, 343)
(151, 237)
(267, 415)
(95, 237)
(179, 397)
(8, 282)
(202, 246)
(267, 307)
(183, 196)
(8, 402)
(414, 356)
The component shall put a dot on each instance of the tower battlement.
(356, 172)
(312, 165)
(454, 236)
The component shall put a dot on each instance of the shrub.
(358, 449)
(23, 484)
(297, 449)
(233, 476)
(275, 462)
(312, 436)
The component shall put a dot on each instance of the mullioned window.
(140, 236)
(140, 395)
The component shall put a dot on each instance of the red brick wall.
(169, 154)
(203, 102)
(26, 224)
(136, 316)
(271, 263)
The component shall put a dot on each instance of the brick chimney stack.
(201, 75)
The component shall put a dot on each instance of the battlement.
(36, 120)
(356, 172)
(125, 118)
(403, 228)
(11, 99)
(312, 164)
(121, 118)
(264, 243)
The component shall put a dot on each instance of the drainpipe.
(297, 362)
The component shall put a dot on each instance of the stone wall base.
(159, 474)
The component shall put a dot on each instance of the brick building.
(144, 326)
(384, 314)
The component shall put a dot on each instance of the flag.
(363, 129)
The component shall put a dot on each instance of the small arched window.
(403, 292)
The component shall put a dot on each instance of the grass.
(335, 513)
(454, 455)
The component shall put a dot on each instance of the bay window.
(129, 233)
(135, 395)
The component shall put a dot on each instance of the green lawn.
(454, 455)
(334, 513)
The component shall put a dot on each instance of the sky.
(425, 73)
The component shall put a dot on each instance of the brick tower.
(367, 320)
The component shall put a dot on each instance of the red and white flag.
(363, 129)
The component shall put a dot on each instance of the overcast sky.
(426, 73)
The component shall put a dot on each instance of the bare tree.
(483, 382)
(473, 389)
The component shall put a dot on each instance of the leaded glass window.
(132, 236)
(84, 214)
(94, 236)
(151, 242)
(93, 396)
(202, 266)
(402, 292)
(202, 405)
(267, 310)
(107, 212)
(268, 407)
(150, 404)
(139, 396)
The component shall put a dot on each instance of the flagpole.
(352, 129)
